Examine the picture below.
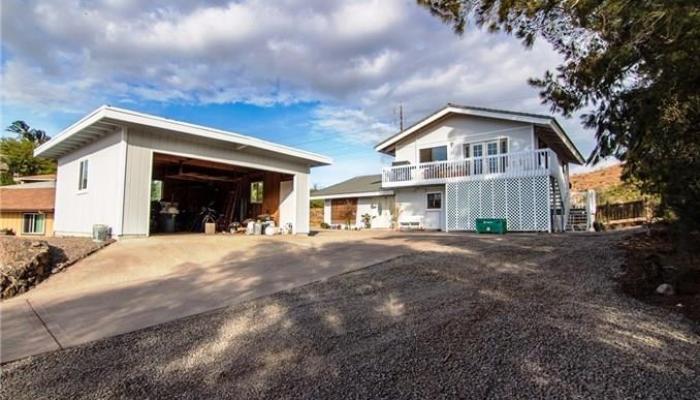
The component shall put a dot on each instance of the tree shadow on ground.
(529, 317)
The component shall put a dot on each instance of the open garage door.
(186, 192)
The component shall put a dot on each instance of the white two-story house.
(462, 163)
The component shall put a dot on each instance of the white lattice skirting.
(523, 202)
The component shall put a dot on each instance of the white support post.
(590, 209)
(301, 195)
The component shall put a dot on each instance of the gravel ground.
(523, 316)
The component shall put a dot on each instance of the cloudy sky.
(325, 76)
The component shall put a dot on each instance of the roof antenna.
(400, 117)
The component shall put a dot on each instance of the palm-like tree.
(24, 131)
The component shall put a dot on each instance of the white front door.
(433, 211)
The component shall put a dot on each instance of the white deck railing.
(521, 164)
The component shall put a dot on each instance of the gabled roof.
(359, 186)
(107, 119)
(541, 120)
(28, 197)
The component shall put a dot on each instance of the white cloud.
(358, 59)
(350, 125)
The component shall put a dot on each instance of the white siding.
(379, 207)
(174, 143)
(76, 212)
(137, 191)
(456, 130)
(287, 203)
(327, 218)
(413, 201)
(301, 196)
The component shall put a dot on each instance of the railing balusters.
(519, 164)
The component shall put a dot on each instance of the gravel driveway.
(520, 316)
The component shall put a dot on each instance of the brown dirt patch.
(18, 253)
(655, 257)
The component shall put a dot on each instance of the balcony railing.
(521, 164)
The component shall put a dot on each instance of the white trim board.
(352, 195)
(450, 109)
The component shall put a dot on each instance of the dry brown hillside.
(598, 179)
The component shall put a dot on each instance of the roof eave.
(352, 195)
(576, 155)
(127, 116)
(386, 145)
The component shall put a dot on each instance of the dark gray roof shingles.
(358, 184)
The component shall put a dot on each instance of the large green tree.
(633, 66)
(17, 154)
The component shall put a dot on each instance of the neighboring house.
(141, 174)
(357, 196)
(28, 208)
(462, 163)
(35, 178)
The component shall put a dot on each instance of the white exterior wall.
(77, 211)
(457, 130)
(327, 217)
(301, 196)
(287, 207)
(379, 207)
(413, 202)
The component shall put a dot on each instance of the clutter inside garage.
(195, 195)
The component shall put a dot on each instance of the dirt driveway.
(143, 282)
(482, 317)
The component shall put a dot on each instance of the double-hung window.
(83, 176)
(33, 224)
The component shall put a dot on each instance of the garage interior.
(186, 190)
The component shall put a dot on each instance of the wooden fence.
(633, 210)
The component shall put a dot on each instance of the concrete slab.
(23, 333)
(138, 283)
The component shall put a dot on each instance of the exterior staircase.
(557, 207)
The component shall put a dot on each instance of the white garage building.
(122, 169)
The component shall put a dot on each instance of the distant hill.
(608, 184)
(598, 179)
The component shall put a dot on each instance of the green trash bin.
(491, 225)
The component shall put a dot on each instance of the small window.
(256, 192)
(504, 145)
(434, 201)
(83, 178)
(156, 190)
(33, 224)
(466, 151)
(433, 154)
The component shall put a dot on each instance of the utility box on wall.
(491, 225)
